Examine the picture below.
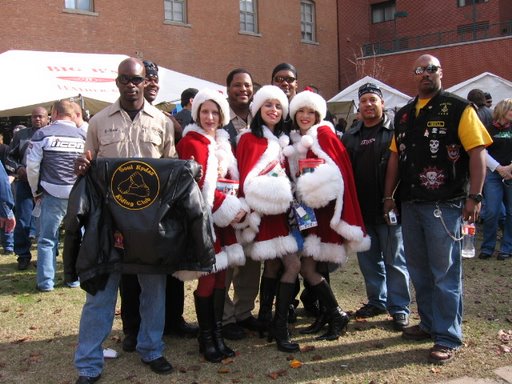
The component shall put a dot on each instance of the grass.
(38, 334)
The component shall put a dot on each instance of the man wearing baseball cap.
(383, 266)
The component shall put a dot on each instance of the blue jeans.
(98, 316)
(53, 210)
(23, 214)
(496, 193)
(384, 269)
(434, 263)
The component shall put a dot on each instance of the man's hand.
(239, 216)
(8, 224)
(82, 164)
(471, 211)
(505, 171)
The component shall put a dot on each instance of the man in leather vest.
(438, 156)
(383, 265)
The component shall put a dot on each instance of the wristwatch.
(477, 197)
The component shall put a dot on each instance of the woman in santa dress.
(328, 188)
(266, 190)
(209, 145)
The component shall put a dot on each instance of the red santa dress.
(217, 160)
(330, 191)
(265, 189)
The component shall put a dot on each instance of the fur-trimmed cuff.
(360, 246)
(221, 262)
(269, 195)
(236, 256)
(319, 187)
(347, 231)
(273, 248)
(328, 252)
(227, 211)
(188, 275)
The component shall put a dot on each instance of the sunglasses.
(125, 79)
(281, 79)
(431, 68)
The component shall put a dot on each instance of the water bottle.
(468, 240)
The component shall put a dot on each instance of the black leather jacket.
(139, 216)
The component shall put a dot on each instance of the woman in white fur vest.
(209, 145)
(327, 186)
(266, 190)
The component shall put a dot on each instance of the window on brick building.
(307, 20)
(249, 16)
(382, 12)
(82, 5)
(175, 11)
(463, 3)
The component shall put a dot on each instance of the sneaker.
(439, 354)
(369, 310)
(44, 289)
(74, 284)
(400, 321)
(484, 255)
(415, 333)
(503, 256)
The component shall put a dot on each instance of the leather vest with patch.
(433, 163)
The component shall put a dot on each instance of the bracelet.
(387, 198)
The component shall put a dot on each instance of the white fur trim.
(210, 94)
(221, 262)
(188, 275)
(328, 252)
(319, 187)
(269, 195)
(227, 211)
(306, 141)
(308, 99)
(269, 92)
(273, 248)
(284, 141)
(224, 152)
(360, 246)
(236, 256)
(349, 232)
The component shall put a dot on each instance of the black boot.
(268, 288)
(204, 312)
(219, 296)
(336, 318)
(279, 327)
(319, 323)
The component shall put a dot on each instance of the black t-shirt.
(365, 174)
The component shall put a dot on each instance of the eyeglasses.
(125, 79)
(152, 78)
(281, 79)
(431, 68)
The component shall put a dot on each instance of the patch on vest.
(135, 185)
(432, 178)
(453, 152)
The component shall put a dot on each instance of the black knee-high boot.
(204, 312)
(320, 321)
(279, 327)
(336, 318)
(268, 288)
(219, 297)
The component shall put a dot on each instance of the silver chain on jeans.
(439, 214)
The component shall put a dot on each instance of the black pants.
(129, 289)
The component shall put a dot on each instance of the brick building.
(383, 38)
(200, 38)
(332, 42)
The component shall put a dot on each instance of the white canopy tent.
(392, 97)
(35, 78)
(497, 86)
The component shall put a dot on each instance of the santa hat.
(308, 99)
(269, 92)
(215, 96)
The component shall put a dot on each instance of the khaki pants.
(246, 283)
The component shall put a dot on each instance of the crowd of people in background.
(271, 192)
